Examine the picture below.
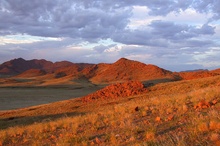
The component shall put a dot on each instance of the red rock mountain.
(120, 71)
(125, 70)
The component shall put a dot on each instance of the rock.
(169, 110)
(214, 101)
(202, 105)
(157, 119)
(97, 140)
(185, 108)
(170, 117)
(136, 109)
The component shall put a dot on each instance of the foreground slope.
(174, 113)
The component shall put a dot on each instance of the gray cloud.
(163, 33)
(205, 6)
(174, 31)
(87, 19)
(61, 19)
(78, 21)
(65, 18)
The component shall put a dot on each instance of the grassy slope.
(165, 116)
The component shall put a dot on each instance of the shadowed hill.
(31, 73)
(73, 70)
(93, 71)
(17, 66)
(20, 65)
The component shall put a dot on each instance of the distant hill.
(217, 71)
(17, 66)
(195, 70)
(196, 74)
(20, 65)
(125, 70)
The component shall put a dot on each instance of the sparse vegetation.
(166, 115)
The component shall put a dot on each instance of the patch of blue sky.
(24, 39)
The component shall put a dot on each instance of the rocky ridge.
(115, 91)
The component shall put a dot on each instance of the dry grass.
(165, 116)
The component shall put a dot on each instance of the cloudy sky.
(172, 34)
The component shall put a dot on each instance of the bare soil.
(20, 97)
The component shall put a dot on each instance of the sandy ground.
(14, 98)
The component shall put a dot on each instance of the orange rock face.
(118, 90)
(127, 70)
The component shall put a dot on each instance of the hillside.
(16, 66)
(125, 70)
(31, 73)
(174, 113)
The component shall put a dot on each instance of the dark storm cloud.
(88, 19)
(61, 18)
(161, 32)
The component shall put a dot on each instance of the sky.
(176, 35)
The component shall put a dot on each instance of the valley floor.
(20, 97)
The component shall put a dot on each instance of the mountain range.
(65, 72)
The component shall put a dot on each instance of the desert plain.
(123, 103)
